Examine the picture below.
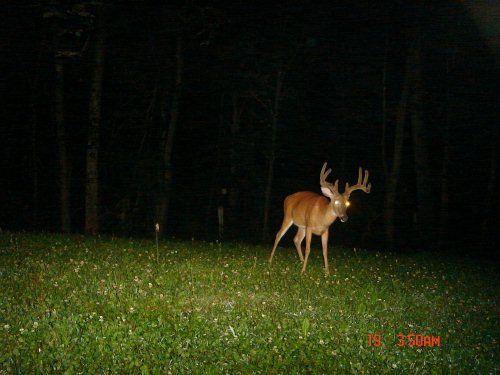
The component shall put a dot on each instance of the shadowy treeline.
(117, 117)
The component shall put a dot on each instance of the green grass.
(83, 305)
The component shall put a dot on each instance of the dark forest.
(116, 117)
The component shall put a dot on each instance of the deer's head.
(340, 201)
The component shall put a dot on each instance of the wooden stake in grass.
(157, 231)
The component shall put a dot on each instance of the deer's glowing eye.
(347, 204)
(337, 203)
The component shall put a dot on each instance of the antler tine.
(322, 179)
(323, 175)
(361, 184)
(365, 180)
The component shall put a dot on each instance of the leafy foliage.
(76, 304)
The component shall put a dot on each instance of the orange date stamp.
(411, 340)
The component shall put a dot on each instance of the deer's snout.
(344, 218)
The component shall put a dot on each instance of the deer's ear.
(326, 192)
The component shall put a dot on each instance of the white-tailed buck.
(313, 213)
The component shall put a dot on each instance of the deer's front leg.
(308, 247)
(324, 243)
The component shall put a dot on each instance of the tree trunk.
(166, 183)
(34, 136)
(420, 151)
(445, 163)
(215, 180)
(488, 231)
(392, 169)
(444, 194)
(343, 135)
(128, 206)
(64, 173)
(92, 185)
(391, 184)
(34, 161)
(233, 159)
(272, 155)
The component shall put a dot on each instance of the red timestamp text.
(410, 340)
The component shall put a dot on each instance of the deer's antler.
(361, 185)
(322, 180)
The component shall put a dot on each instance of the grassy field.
(83, 305)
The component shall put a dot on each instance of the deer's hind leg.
(287, 223)
(297, 240)
(308, 248)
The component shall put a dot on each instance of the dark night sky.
(333, 55)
